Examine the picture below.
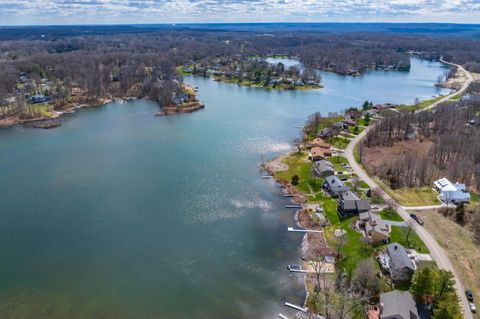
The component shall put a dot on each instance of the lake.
(119, 214)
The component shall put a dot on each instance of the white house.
(451, 193)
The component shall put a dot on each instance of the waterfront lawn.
(298, 164)
(390, 214)
(421, 105)
(399, 235)
(354, 248)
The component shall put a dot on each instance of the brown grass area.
(375, 158)
(458, 242)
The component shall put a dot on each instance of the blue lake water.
(118, 214)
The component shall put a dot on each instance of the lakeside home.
(397, 305)
(323, 168)
(350, 204)
(335, 186)
(375, 228)
(397, 263)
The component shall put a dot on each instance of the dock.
(291, 305)
(288, 195)
(266, 177)
(283, 316)
(298, 230)
(303, 271)
(294, 206)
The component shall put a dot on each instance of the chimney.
(395, 247)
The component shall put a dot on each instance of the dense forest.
(428, 145)
(143, 62)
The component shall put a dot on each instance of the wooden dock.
(297, 230)
(294, 206)
(283, 316)
(291, 305)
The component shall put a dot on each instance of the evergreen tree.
(423, 285)
(448, 308)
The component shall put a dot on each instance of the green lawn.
(357, 131)
(390, 214)
(421, 105)
(399, 235)
(354, 250)
(419, 196)
(298, 164)
(337, 161)
(339, 142)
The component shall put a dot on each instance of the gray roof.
(398, 256)
(335, 185)
(348, 195)
(334, 181)
(398, 304)
(324, 165)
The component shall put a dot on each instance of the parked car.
(473, 308)
(294, 267)
(469, 294)
(344, 179)
(417, 219)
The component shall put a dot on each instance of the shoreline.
(188, 107)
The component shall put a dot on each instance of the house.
(318, 142)
(398, 263)
(334, 186)
(398, 305)
(39, 98)
(325, 133)
(349, 122)
(323, 168)
(340, 125)
(353, 115)
(375, 228)
(451, 193)
(316, 154)
(350, 204)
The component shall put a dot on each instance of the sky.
(32, 12)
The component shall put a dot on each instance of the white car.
(473, 308)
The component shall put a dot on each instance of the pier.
(291, 305)
(298, 230)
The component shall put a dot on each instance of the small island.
(183, 102)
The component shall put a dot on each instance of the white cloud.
(158, 11)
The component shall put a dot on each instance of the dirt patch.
(378, 159)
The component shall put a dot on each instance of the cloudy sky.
(22, 12)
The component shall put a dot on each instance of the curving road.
(436, 251)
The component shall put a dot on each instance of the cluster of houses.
(399, 264)
(451, 193)
(350, 204)
(230, 69)
(318, 150)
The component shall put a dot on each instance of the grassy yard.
(337, 162)
(463, 252)
(339, 142)
(420, 196)
(390, 214)
(298, 164)
(399, 235)
(357, 130)
(353, 249)
(421, 105)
